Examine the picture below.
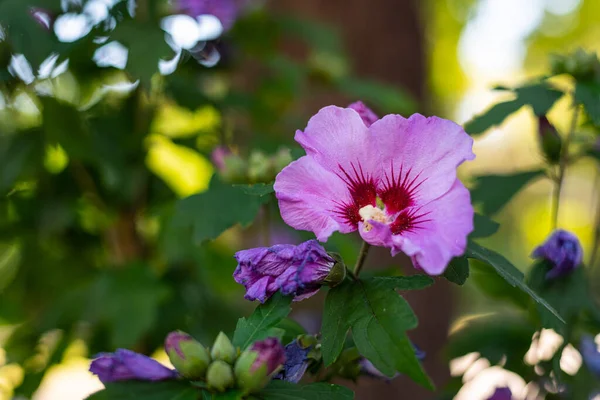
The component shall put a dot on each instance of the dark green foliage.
(169, 390)
(379, 319)
(540, 96)
(458, 270)
(221, 207)
(278, 390)
(587, 93)
(263, 321)
(492, 192)
(569, 295)
(508, 272)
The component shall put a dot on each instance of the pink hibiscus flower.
(393, 179)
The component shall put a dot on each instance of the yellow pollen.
(370, 213)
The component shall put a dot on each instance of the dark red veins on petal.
(362, 188)
(398, 191)
(408, 221)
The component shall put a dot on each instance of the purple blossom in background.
(298, 270)
(227, 11)
(503, 393)
(563, 250)
(218, 156)
(590, 354)
(367, 115)
(296, 362)
(394, 181)
(367, 368)
(124, 365)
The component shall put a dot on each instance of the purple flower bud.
(367, 115)
(503, 393)
(189, 357)
(218, 157)
(590, 354)
(124, 365)
(367, 368)
(563, 250)
(227, 11)
(256, 365)
(296, 362)
(293, 270)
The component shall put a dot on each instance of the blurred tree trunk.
(385, 40)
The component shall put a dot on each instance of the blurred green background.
(100, 245)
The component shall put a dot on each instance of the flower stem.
(596, 241)
(562, 167)
(362, 256)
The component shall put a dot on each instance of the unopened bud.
(259, 167)
(189, 357)
(550, 140)
(337, 274)
(223, 349)
(219, 376)
(255, 366)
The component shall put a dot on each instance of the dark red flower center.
(396, 191)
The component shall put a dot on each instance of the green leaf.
(128, 301)
(63, 124)
(492, 117)
(221, 207)
(278, 390)
(541, 97)
(262, 323)
(587, 93)
(21, 156)
(494, 191)
(146, 45)
(25, 35)
(168, 390)
(379, 319)
(508, 272)
(258, 189)
(484, 227)
(458, 270)
(569, 295)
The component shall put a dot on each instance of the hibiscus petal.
(309, 196)
(442, 235)
(426, 151)
(338, 139)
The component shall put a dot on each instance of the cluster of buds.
(223, 367)
(258, 167)
(580, 64)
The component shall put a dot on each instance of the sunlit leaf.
(541, 97)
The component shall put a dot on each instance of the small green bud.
(189, 357)
(337, 274)
(223, 349)
(281, 159)
(259, 167)
(233, 168)
(220, 376)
